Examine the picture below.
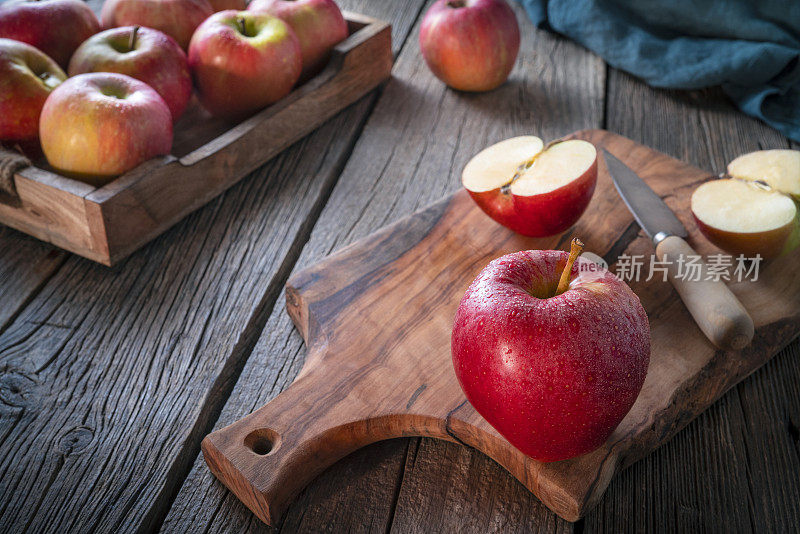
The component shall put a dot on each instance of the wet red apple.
(553, 367)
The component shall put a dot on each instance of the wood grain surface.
(377, 316)
(733, 469)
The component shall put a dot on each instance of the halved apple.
(532, 189)
(755, 211)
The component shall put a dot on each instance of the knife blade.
(715, 309)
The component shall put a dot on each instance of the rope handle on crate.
(11, 161)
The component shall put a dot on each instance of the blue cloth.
(749, 47)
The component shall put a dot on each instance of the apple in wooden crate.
(242, 61)
(99, 125)
(755, 210)
(176, 18)
(471, 45)
(552, 350)
(532, 189)
(142, 53)
(318, 24)
(56, 27)
(27, 77)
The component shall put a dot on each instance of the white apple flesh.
(534, 190)
(754, 212)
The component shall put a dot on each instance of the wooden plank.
(734, 468)
(410, 154)
(117, 373)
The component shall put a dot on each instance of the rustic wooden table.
(109, 378)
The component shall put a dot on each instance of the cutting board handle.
(268, 457)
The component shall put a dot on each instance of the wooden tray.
(106, 224)
(377, 318)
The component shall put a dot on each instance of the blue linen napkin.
(749, 47)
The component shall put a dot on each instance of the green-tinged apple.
(242, 61)
(755, 210)
(471, 45)
(96, 126)
(551, 353)
(27, 77)
(176, 18)
(223, 5)
(56, 27)
(142, 53)
(318, 24)
(534, 190)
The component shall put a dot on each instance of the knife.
(715, 309)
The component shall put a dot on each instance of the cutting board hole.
(262, 441)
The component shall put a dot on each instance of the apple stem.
(575, 249)
(132, 41)
(242, 26)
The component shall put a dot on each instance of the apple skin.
(540, 215)
(235, 74)
(156, 59)
(22, 91)
(555, 376)
(176, 18)
(223, 5)
(472, 47)
(769, 244)
(89, 133)
(318, 24)
(56, 27)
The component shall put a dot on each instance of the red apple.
(27, 76)
(553, 370)
(96, 126)
(56, 27)
(243, 61)
(176, 18)
(755, 210)
(222, 5)
(318, 24)
(532, 189)
(471, 45)
(142, 53)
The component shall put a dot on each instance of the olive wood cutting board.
(377, 317)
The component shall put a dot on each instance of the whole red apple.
(554, 373)
(176, 18)
(142, 53)
(96, 126)
(243, 61)
(222, 5)
(471, 45)
(318, 24)
(27, 76)
(534, 190)
(56, 27)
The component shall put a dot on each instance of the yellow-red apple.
(471, 45)
(142, 53)
(27, 77)
(176, 18)
(56, 27)
(99, 125)
(242, 61)
(318, 24)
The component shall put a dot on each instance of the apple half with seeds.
(533, 189)
(754, 210)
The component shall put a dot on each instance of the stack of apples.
(132, 73)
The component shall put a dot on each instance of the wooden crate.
(209, 155)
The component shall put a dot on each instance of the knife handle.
(715, 309)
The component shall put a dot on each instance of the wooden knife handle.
(717, 311)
